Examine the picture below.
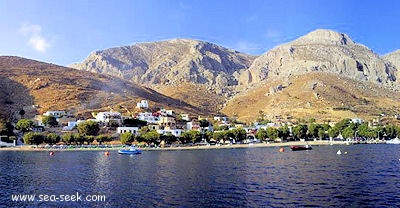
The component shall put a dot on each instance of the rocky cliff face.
(324, 51)
(170, 63)
(393, 58)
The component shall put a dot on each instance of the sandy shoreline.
(284, 144)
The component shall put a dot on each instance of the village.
(165, 128)
(112, 124)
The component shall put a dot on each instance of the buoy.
(51, 153)
(281, 149)
(107, 153)
(339, 152)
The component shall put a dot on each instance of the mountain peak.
(324, 36)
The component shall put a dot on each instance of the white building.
(57, 114)
(193, 125)
(71, 125)
(142, 104)
(148, 117)
(356, 120)
(185, 117)
(165, 112)
(221, 119)
(175, 132)
(109, 117)
(133, 130)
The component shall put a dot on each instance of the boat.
(130, 151)
(299, 148)
(393, 141)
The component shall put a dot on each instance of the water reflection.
(367, 176)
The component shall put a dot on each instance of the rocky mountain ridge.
(171, 62)
(322, 51)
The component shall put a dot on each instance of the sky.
(67, 31)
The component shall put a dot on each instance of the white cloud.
(35, 38)
(38, 43)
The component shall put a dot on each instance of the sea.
(362, 176)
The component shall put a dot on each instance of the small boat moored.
(131, 151)
(299, 148)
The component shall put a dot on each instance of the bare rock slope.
(322, 51)
(171, 63)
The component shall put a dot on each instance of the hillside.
(170, 63)
(322, 51)
(393, 58)
(37, 87)
(319, 95)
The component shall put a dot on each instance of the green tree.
(341, 125)
(151, 137)
(348, 132)
(261, 134)
(50, 121)
(272, 133)
(168, 138)
(333, 132)
(363, 130)
(6, 128)
(103, 138)
(300, 131)
(204, 123)
(391, 131)
(89, 139)
(144, 130)
(127, 138)
(380, 131)
(79, 138)
(219, 135)
(192, 135)
(24, 125)
(89, 128)
(3, 127)
(33, 138)
(321, 133)
(222, 128)
(239, 134)
(68, 138)
(313, 130)
(52, 138)
(283, 132)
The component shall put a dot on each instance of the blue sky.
(66, 31)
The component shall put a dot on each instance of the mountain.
(322, 51)
(393, 58)
(324, 75)
(171, 62)
(37, 87)
(323, 96)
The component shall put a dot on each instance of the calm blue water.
(368, 176)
